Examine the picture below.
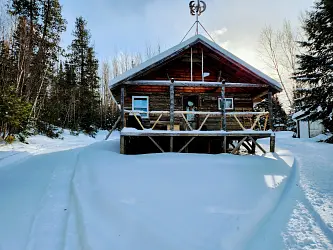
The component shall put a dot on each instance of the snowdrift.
(95, 198)
(172, 201)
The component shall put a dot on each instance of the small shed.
(305, 127)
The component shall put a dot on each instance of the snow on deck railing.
(197, 113)
(127, 130)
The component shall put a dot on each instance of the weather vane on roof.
(196, 9)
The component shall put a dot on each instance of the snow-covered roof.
(279, 125)
(303, 89)
(183, 46)
(300, 114)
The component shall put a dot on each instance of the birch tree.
(278, 50)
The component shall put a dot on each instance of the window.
(141, 103)
(229, 103)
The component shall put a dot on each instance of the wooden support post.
(122, 145)
(186, 121)
(113, 128)
(272, 144)
(122, 106)
(224, 116)
(202, 66)
(203, 123)
(191, 64)
(172, 111)
(156, 144)
(253, 148)
(256, 143)
(265, 125)
(247, 146)
(236, 149)
(157, 121)
(172, 105)
(259, 125)
(240, 124)
(185, 146)
(225, 144)
(137, 119)
(270, 109)
(255, 122)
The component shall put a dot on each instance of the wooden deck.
(179, 141)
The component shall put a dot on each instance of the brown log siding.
(207, 102)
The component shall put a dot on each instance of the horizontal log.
(196, 133)
(195, 84)
(198, 113)
(260, 95)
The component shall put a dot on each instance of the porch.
(172, 131)
(133, 141)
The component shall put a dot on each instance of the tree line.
(44, 87)
(301, 59)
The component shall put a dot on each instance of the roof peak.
(156, 60)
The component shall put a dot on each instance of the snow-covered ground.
(67, 194)
(41, 145)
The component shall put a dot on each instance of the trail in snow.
(309, 224)
(35, 182)
(33, 201)
(316, 179)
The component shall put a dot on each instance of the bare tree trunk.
(33, 109)
(278, 50)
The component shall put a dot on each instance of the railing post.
(122, 145)
(272, 144)
(270, 109)
(172, 111)
(224, 144)
(224, 115)
(122, 104)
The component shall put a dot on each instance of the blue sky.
(128, 25)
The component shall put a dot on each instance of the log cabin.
(195, 97)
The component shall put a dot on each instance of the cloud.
(219, 38)
(220, 32)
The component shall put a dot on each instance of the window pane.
(227, 103)
(140, 109)
(140, 103)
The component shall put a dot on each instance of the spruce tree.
(35, 53)
(82, 59)
(13, 110)
(279, 115)
(315, 73)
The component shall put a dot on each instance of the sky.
(129, 25)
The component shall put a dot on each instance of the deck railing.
(182, 114)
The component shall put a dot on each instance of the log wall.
(206, 102)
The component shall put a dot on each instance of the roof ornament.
(196, 9)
